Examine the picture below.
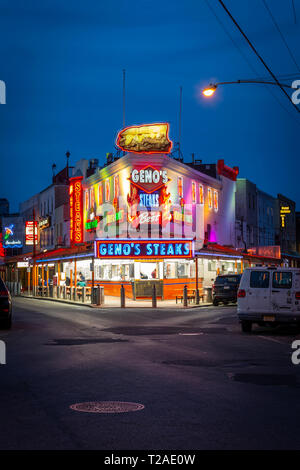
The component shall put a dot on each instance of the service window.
(282, 280)
(259, 279)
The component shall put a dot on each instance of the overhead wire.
(281, 34)
(257, 54)
(250, 64)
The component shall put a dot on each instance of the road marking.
(271, 339)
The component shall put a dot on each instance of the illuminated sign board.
(141, 248)
(146, 138)
(284, 211)
(149, 200)
(45, 223)
(149, 179)
(29, 229)
(76, 210)
(22, 264)
(230, 173)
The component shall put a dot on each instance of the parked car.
(5, 306)
(269, 296)
(225, 288)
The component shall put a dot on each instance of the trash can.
(208, 294)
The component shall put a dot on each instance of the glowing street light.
(210, 90)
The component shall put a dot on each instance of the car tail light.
(5, 310)
(241, 293)
(297, 295)
(3, 293)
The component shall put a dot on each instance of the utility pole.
(34, 265)
(179, 124)
(124, 71)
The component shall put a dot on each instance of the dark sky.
(62, 63)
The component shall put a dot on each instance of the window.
(201, 194)
(259, 279)
(100, 194)
(216, 201)
(116, 186)
(107, 190)
(180, 186)
(282, 280)
(193, 192)
(92, 197)
(210, 201)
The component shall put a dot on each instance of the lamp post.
(211, 88)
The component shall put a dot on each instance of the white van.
(269, 296)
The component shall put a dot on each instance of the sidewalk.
(114, 302)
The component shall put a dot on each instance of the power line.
(257, 54)
(281, 34)
(251, 66)
(294, 11)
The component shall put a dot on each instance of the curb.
(69, 302)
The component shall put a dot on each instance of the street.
(203, 384)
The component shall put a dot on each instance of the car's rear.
(225, 288)
(5, 306)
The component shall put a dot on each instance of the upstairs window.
(216, 201)
(116, 186)
(107, 191)
(92, 197)
(201, 194)
(180, 186)
(100, 194)
(193, 192)
(210, 200)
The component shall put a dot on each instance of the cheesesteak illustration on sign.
(145, 138)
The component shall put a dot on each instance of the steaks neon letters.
(143, 249)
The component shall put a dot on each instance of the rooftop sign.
(146, 138)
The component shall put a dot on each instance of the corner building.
(147, 218)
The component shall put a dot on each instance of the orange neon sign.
(76, 210)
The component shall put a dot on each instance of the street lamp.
(210, 90)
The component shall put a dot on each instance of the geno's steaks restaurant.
(146, 217)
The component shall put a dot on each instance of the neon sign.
(76, 210)
(230, 173)
(149, 179)
(150, 248)
(284, 211)
(145, 138)
(149, 200)
(29, 229)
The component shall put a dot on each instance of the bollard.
(83, 295)
(197, 297)
(122, 296)
(185, 296)
(154, 299)
(98, 296)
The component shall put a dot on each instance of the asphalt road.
(203, 384)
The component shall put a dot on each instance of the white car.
(269, 296)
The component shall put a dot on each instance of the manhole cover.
(107, 407)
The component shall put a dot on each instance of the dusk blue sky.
(62, 63)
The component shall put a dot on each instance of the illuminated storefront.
(144, 219)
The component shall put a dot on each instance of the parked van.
(269, 296)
